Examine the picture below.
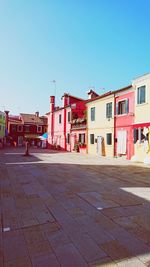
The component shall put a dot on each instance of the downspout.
(65, 145)
(114, 125)
(86, 130)
(52, 127)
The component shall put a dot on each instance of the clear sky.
(78, 43)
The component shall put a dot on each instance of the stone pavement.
(73, 210)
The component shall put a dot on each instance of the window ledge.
(143, 104)
(121, 115)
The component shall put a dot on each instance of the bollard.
(27, 149)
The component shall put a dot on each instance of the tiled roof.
(32, 119)
(109, 93)
(67, 94)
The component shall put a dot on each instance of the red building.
(123, 122)
(26, 127)
(66, 124)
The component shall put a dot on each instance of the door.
(99, 145)
(121, 142)
(20, 140)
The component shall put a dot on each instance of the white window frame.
(28, 128)
(138, 104)
(94, 110)
(39, 131)
(18, 128)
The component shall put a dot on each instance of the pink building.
(60, 134)
(78, 127)
(123, 122)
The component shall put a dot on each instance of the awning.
(44, 136)
(32, 136)
(141, 125)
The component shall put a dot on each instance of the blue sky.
(78, 43)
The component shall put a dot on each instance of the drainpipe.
(7, 118)
(65, 145)
(52, 108)
(114, 125)
(86, 130)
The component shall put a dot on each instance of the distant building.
(26, 127)
(123, 122)
(66, 124)
(100, 125)
(141, 124)
(2, 128)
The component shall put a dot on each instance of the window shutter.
(127, 106)
(109, 138)
(135, 135)
(106, 110)
(117, 105)
(110, 110)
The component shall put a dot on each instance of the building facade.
(26, 127)
(61, 120)
(141, 126)
(2, 128)
(100, 125)
(123, 122)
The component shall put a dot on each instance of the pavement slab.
(72, 210)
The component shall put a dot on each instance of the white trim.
(136, 94)
(18, 128)
(124, 92)
(39, 131)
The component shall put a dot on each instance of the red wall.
(124, 122)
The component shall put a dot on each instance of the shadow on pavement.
(101, 213)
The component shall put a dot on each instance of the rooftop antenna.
(91, 88)
(54, 82)
(102, 89)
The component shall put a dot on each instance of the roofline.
(72, 96)
(140, 76)
(109, 93)
(99, 97)
(122, 89)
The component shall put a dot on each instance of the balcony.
(79, 123)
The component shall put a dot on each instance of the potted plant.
(76, 147)
(82, 147)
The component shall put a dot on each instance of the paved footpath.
(73, 210)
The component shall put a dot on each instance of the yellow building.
(142, 119)
(100, 125)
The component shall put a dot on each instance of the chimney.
(91, 94)
(65, 99)
(7, 117)
(37, 113)
(52, 103)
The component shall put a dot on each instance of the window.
(20, 128)
(140, 135)
(141, 94)
(59, 118)
(13, 128)
(69, 116)
(91, 139)
(122, 107)
(109, 138)
(27, 128)
(68, 138)
(82, 138)
(39, 129)
(93, 114)
(109, 110)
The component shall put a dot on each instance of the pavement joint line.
(8, 229)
